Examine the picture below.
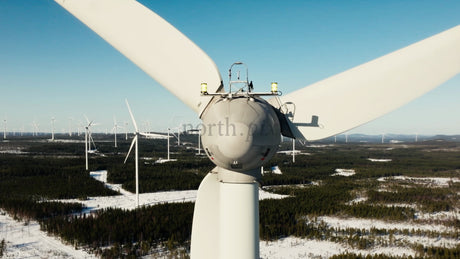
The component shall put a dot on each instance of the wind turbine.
(70, 127)
(4, 128)
(114, 129)
(52, 128)
(136, 154)
(225, 221)
(36, 128)
(87, 135)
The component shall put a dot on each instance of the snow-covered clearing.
(127, 200)
(429, 181)
(25, 240)
(276, 170)
(441, 215)
(357, 200)
(367, 224)
(294, 247)
(402, 240)
(344, 172)
(379, 160)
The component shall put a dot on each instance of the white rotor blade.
(87, 121)
(132, 116)
(130, 148)
(91, 140)
(151, 43)
(368, 91)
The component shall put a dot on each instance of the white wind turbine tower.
(293, 150)
(227, 199)
(4, 128)
(199, 141)
(126, 130)
(383, 138)
(52, 128)
(70, 127)
(168, 143)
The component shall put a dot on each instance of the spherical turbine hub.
(240, 134)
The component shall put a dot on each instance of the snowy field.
(428, 181)
(344, 172)
(25, 240)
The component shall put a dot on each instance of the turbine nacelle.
(240, 133)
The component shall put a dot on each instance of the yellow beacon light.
(204, 88)
(274, 87)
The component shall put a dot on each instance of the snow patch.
(294, 247)
(430, 181)
(357, 200)
(276, 170)
(127, 200)
(379, 160)
(344, 172)
(25, 240)
(367, 224)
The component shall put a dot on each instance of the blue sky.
(51, 65)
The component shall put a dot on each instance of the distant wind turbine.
(86, 142)
(88, 139)
(89, 134)
(4, 128)
(168, 143)
(36, 128)
(135, 143)
(52, 128)
(70, 127)
(199, 142)
(114, 129)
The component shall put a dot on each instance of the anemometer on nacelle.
(244, 87)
